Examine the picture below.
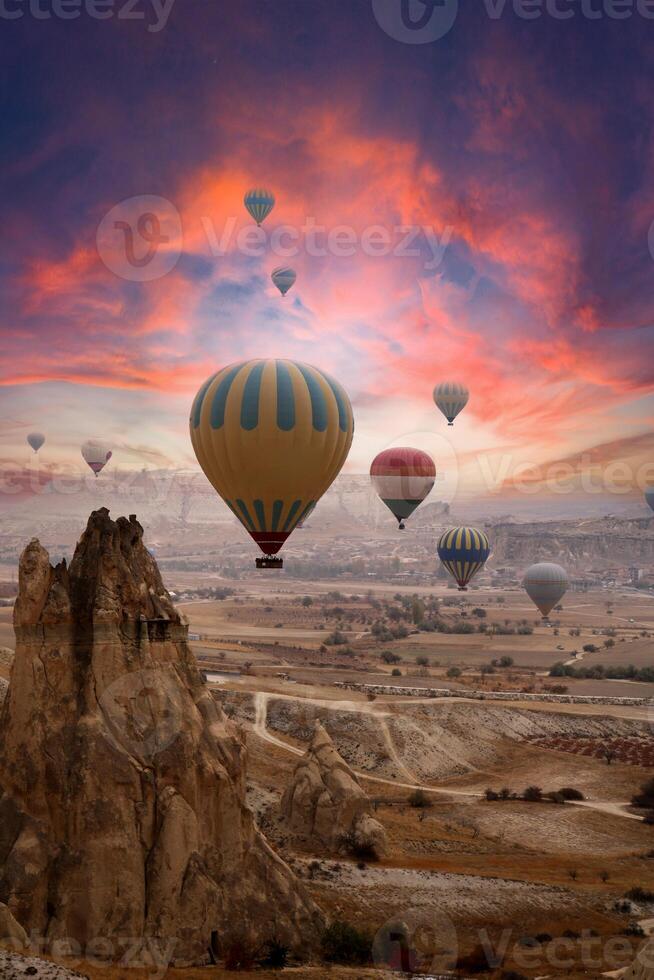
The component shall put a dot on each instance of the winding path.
(260, 728)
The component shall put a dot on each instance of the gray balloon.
(36, 440)
(546, 583)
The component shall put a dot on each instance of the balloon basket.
(402, 526)
(463, 588)
(270, 562)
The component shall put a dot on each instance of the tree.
(417, 611)
(453, 671)
(480, 613)
(390, 658)
(422, 661)
(506, 661)
(646, 796)
(307, 601)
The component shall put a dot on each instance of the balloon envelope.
(283, 277)
(463, 551)
(259, 203)
(271, 436)
(402, 478)
(97, 454)
(649, 496)
(451, 397)
(545, 584)
(36, 440)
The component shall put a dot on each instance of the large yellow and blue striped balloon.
(271, 436)
(463, 551)
(259, 203)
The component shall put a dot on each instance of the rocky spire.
(324, 800)
(123, 811)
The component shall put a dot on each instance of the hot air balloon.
(649, 496)
(283, 277)
(36, 440)
(271, 436)
(451, 397)
(259, 203)
(306, 516)
(463, 551)
(545, 584)
(97, 454)
(402, 478)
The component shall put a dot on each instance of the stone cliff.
(122, 807)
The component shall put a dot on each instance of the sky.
(476, 206)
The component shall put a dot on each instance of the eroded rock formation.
(324, 800)
(123, 808)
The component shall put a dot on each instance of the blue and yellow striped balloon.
(463, 551)
(271, 436)
(259, 203)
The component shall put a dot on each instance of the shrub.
(275, 955)
(361, 851)
(453, 671)
(396, 672)
(419, 799)
(570, 793)
(389, 658)
(533, 794)
(342, 943)
(491, 795)
(335, 639)
(646, 796)
(639, 894)
(555, 797)
(478, 961)
(422, 661)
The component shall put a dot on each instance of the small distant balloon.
(96, 454)
(545, 583)
(283, 277)
(36, 440)
(402, 478)
(451, 397)
(649, 496)
(259, 203)
(463, 551)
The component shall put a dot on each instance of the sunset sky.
(521, 151)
